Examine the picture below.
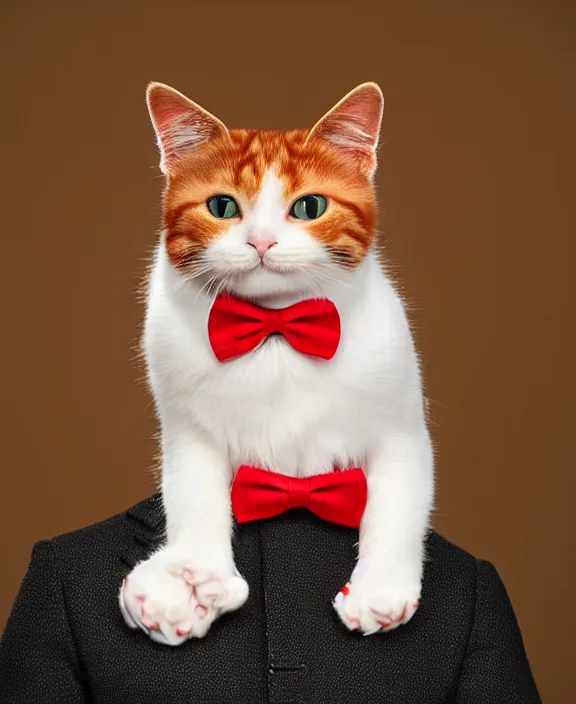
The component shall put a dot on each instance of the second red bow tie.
(338, 497)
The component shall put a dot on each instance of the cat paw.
(173, 597)
(377, 601)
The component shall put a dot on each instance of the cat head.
(262, 212)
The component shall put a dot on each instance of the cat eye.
(223, 207)
(309, 207)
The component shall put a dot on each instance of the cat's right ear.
(352, 126)
(180, 124)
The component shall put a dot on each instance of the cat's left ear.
(353, 126)
(180, 124)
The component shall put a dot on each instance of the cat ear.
(353, 125)
(180, 124)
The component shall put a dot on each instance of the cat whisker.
(208, 286)
(327, 278)
(195, 272)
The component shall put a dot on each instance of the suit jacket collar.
(149, 513)
(147, 528)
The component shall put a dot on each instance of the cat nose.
(261, 243)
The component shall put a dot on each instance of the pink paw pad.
(148, 621)
(188, 576)
(208, 592)
(201, 611)
(384, 623)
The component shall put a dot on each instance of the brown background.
(477, 188)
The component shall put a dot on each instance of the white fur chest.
(275, 407)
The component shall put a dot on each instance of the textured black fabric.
(65, 641)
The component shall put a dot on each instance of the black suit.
(66, 641)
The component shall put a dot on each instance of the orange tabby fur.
(237, 166)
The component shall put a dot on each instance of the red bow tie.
(338, 497)
(236, 327)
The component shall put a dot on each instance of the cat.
(274, 218)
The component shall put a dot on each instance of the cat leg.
(385, 586)
(180, 590)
